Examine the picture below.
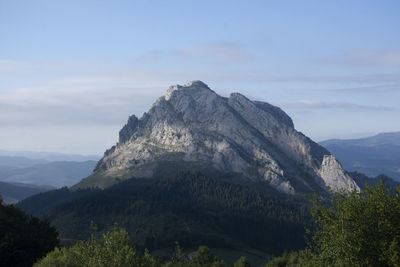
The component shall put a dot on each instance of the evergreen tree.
(23, 239)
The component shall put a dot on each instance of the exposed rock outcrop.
(192, 123)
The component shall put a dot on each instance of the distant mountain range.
(48, 156)
(13, 192)
(19, 161)
(379, 154)
(23, 174)
(55, 174)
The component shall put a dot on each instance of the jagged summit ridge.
(192, 123)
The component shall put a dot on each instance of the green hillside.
(189, 207)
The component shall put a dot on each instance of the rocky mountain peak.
(194, 126)
(196, 83)
(188, 88)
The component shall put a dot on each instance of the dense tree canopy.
(356, 229)
(190, 207)
(23, 239)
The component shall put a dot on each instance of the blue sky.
(72, 72)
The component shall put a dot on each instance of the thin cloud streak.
(96, 93)
(376, 58)
(368, 58)
(73, 105)
(384, 88)
(171, 76)
(312, 104)
(62, 73)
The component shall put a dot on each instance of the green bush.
(301, 258)
(242, 262)
(113, 249)
(204, 257)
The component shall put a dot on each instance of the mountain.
(44, 168)
(362, 180)
(54, 174)
(12, 193)
(48, 156)
(19, 161)
(193, 127)
(379, 154)
(228, 173)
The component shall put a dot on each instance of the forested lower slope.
(190, 208)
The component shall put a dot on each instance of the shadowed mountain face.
(194, 125)
(379, 154)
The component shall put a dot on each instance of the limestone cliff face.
(192, 123)
(333, 175)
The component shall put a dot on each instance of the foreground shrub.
(358, 228)
(113, 249)
(355, 229)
